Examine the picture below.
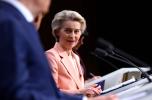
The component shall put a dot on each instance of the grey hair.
(66, 15)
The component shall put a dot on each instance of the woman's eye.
(68, 30)
(76, 31)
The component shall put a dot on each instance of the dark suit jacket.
(24, 71)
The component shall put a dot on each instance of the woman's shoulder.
(52, 53)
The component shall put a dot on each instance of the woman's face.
(69, 34)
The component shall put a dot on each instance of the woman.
(67, 27)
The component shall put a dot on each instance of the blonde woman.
(67, 27)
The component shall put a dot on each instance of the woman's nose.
(72, 34)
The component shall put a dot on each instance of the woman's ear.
(81, 40)
(56, 33)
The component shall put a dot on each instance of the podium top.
(115, 77)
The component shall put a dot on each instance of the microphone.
(103, 53)
(100, 52)
(108, 47)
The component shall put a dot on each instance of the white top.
(74, 65)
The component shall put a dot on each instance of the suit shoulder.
(52, 53)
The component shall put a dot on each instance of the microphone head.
(100, 52)
(105, 45)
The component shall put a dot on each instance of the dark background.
(127, 25)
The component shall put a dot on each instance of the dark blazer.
(24, 71)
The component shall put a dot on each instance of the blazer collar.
(60, 50)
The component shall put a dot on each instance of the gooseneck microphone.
(109, 50)
(100, 52)
(108, 47)
(104, 54)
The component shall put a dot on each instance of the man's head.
(37, 6)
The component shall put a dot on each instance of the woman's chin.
(70, 47)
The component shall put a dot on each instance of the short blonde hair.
(67, 15)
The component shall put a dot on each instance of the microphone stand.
(122, 59)
(132, 64)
